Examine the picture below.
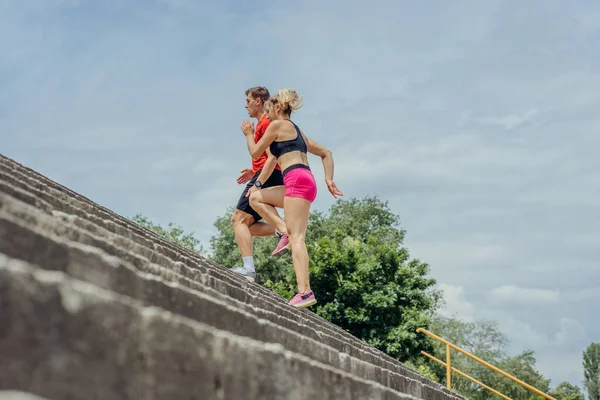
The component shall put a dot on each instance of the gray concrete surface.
(50, 228)
(68, 339)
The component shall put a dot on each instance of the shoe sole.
(305, 304)
(249, 277)
(281, 252)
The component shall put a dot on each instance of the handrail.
(449, 367)
(467, 376)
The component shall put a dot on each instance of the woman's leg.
(296, 215)
(264, 202)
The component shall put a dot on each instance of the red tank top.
(261, 127)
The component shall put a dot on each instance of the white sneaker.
(246, 272)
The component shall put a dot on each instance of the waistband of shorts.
(294, 166)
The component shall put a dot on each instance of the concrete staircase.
(93, 306)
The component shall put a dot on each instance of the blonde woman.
(284, 140)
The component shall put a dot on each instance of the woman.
(289, 145)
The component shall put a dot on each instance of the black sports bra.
(298, 144)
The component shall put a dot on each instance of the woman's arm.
(256, 149)
(266, 172)
(327, 158)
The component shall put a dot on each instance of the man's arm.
(245, 175)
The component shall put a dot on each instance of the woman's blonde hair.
(288, 99)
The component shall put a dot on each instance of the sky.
(477, 121)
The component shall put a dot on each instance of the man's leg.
(241, 222)
(245, 225)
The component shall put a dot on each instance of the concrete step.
(69, 339)
(42, 240)
(18, 395)
(217, 277)
(52, 193)
(144, 252)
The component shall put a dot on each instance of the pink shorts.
(300, 182)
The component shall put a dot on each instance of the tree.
(173, 233)
(484, 340)
(521, 366)
(566, 391)
(481, 338)
(364, 278)
(591, 371)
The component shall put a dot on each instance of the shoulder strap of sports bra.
(299, 137)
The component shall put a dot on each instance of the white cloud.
(457, 304)
(521, 295)
(558, 352)
(510, 121)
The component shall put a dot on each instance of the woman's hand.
(333, 189)
(247, 127)
(252, 190)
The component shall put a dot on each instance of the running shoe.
(282, 247)
(303, 300)
(246, 272)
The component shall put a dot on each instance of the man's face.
(252, 105)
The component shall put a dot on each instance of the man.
(264, 173)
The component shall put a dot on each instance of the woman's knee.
(297, 240)
(255, 199)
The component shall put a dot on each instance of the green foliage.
(566, 391)
(481, 338)
(364, 279)
(371, 289)
(224, 247)
(421, 366)
(521, 366)
(484, 340)
(591, 371)
(173, 233)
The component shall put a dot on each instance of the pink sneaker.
(282, 247)
(303, 300)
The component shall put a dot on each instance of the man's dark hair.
(259, 92)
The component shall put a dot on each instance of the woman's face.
(273, 110)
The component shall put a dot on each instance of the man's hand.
(246, 175)
(247, 127)
(252, 190)
(333, 189)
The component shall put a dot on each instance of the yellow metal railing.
(450, 368)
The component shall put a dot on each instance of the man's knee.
(241, 218)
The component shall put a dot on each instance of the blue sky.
(477, 121)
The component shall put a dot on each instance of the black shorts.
(276, 179)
